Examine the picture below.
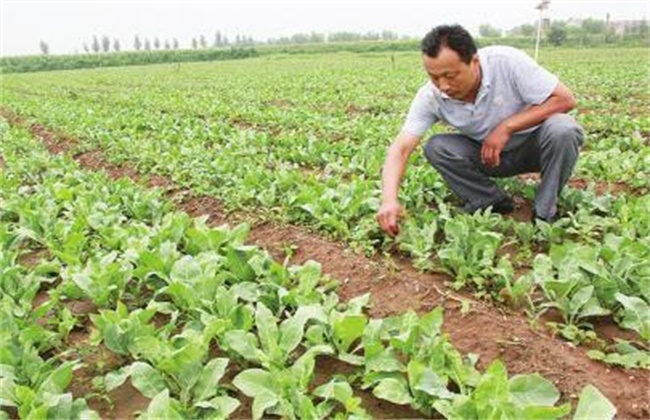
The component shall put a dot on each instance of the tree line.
(588, 31)
(23, 64)
(105, 44)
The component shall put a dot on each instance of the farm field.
(199, 241)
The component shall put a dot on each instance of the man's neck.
(477, 85)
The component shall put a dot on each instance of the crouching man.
(511, 117)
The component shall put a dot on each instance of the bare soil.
(600, 187)
(279, 103)
(523, 210)
(124, 402)
(55, 142)
(354, 110)
(31, 258)
(614, 188)
(81, 308)
(485, 330)
(11, 117)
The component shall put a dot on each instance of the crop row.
(122, 247)
(469, 247)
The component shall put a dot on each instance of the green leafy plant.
(624, 354)
(469, 250)
(284, 391)
(496, 396)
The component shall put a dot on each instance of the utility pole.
(541, 7)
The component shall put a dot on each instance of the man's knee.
(433, 149)
(440, 148)
(561, 131)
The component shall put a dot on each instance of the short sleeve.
(422, 113)
(533, 82)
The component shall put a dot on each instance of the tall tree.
(86, 49)
(116, 45)
(195, 43)
(387, 35)
(106, 44)
(137, 44)
(593, 26)
(295, 39)
(167, 46)
(316, 37)
(609, 31)
(156, 43)
(527, 29)
(45, 49)
(203, 42)
(557, 34)
(96, 47)
(147, 44)
(344, 36)
(175, 43)
(217, 39)
(489, 31)
(371, 36)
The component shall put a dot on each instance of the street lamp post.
(541, 7)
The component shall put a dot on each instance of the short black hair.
(454, 37)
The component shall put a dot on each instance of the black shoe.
(548, 220)
(504, 206)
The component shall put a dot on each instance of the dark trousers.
(552, 149)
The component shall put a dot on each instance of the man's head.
(450, 59)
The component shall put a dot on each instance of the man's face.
(453, 77)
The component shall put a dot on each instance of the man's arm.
(561, 100)
(394, 167)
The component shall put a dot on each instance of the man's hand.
(388, 216)
(493, 145)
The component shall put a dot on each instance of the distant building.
(622, 27)
(574, 22)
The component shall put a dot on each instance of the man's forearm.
(395, 164)
(392, 173)
(561, 102)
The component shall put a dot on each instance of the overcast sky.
(66, 25)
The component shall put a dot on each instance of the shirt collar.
(486, 74)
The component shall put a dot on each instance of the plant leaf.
(546, 412)
(527, 390)
(594, 406)
(162, 407)
(186, 270)
(255, 382)
(636, 315)
(263, 402)
(347, 329)
(393, 390)
(146, 379)
(207, 384)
